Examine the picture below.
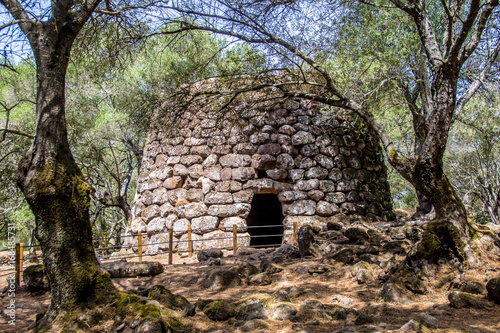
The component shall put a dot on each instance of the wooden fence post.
(190, 241)
(235, 239)
(139, 245)
(19, 263)
(295, 232)
(170, 245)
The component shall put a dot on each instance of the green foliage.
(473, 157)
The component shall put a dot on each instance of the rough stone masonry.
(205, 171)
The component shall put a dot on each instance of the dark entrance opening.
(265, 221)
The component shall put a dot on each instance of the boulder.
(189, 310)
(472, 287)
(261, 279)
(493, 287)
(305, 240)
(120, 269)
(150, 326)
(254, 325)
(284, 253)
(251, 311)
(35, 279)
(221, 280)
(219, 310)
(204, 255)
(281, 295)
(391, 292)
(167, 298)
(283, 311)
(429, 321)
(356, 235)
(345, 256)
(267, 266)
(460, 300)
(244, 268)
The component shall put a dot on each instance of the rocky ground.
(337, 280)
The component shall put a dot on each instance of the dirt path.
(337, 287)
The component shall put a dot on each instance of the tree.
(48, 175)
(474, 157)
(448, 42)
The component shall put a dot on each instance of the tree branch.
(478, 81)
(476, 36)
(30, 136)
(425, 32)
(18, 13)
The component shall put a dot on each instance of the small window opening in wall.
(265, 221)
(261, 174)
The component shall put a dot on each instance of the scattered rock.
(269, 267)
(189, 310)
(334, 226)
(244, 268)
(363, 319)
(251, 311)
(282, 295)
(284, 253)
(253, 325)
(429, 321)
(295, 292)
(213, 262)
(411, 326)
(317, 269)
(201, 303)
(493, 287)
(150, 326)
(345, 256)
(283, 311)
(472, 287)
(461, 300)
(167, 298)
(356, 235)
(221, 280)
(392, 292)
(219, 310)
(120, 269)
(305, 240)
(35, 279)
(315, 309)
(261, 279)
(205, 255)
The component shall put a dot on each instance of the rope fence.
(15, 268)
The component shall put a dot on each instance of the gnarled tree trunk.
(59, 198)
(448, 235)
(48, 175)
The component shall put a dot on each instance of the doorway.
(265, 221)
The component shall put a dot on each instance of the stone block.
(172, 182)
(243, 174)
(237, 209)
(302, 207)
(235, 160)
(204, 224)
(192, 210)
(227, 224)
(218, 198)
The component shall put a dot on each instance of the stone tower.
(261, 169)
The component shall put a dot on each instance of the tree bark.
(59, 196)
(48, 175)
(448, 235)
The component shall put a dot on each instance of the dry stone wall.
(206, 171)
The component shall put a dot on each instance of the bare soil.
(337, 287)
